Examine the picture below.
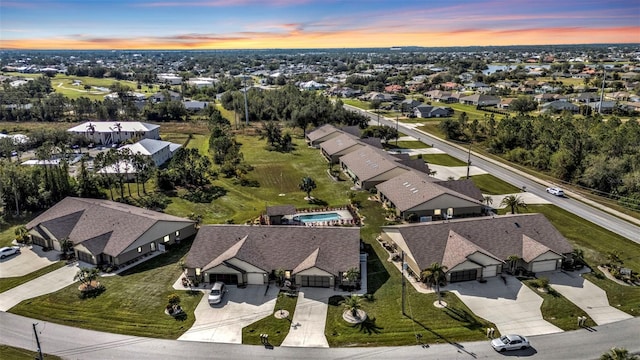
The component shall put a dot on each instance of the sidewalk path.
(45, 284)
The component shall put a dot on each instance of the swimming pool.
(309, 218)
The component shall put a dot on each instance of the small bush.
(173, 299)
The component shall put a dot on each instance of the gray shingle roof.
(411, 189)
(463, 186)
(367, 162)
(339, 143)
(501, 236)
(83, 219)
(333, 249)
(281, 210)
(321, 132)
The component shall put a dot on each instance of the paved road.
(73, 343)
(628, 228)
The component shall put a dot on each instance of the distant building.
(109, 132)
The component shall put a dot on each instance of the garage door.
(315, 281)
(547, 265)
(229, 279)
(464, 275)
(490, 271)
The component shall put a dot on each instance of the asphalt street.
(629, 229)
(73, 343)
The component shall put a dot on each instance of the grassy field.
(13, 353)
(365, 105)
(277, 173)
(132, 304)
(490, 184)
(405, 145)
(558, 310)
(471, 111)
(11, 282)
(276, 328)
(443, 159)
(387, 326)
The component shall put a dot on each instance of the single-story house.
(428, 111)
(159, 151)
(480, 100)
(368, 167)
(107, 232)
(250, 255)
(560, 105)
(477, 248)
(322, 134)
(109, 132)
(161, 96)
(192, 105)
(606, 107)
(338, 146)
(416, 193)
(171, 79)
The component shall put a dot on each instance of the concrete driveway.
(513, 307)
(29, 260)
(223, 323)
(45, 284)
(587, 296)
(310, 319)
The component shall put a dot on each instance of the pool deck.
(345, 218)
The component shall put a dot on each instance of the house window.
(153, 246)
(166, 238)
(178, 233)
(139, 249)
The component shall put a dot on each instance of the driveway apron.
(513, 307)
(223, 323)
(309, 319)
(587, 296)
(45, 284)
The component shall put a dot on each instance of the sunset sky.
(250, 24)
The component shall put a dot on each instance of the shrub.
(173, 299)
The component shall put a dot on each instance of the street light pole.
(469, 160)
(37, 342)
(397, 133)
(403, 283)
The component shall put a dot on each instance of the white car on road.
(510, 342)
(555, 191)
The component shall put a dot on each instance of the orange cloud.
(295, 37)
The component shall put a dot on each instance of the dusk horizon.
(311, 24)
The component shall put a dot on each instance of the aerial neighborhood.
(335, 198)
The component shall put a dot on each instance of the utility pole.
(403, 283)
(37, 342)
(469, 160)
(604, 76)
(397, 133)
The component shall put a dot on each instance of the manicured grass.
(11, 282)
(133, 303)
(387, 326)
(406, 145)
(64, 84)
(276, 328)
(558, 310)
(490, 184)
(471, 111)
(594, 240)
(13, 353)
(443, 159)
(365, 105)
(625, 298)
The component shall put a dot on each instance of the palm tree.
(86, 276)
(352, 275)
(618, 354)
(307, 185)
(488, 200)
(435, 274)
(353, 303)
(578, 256)
(22, 234)
(513, 261)
(514, 202)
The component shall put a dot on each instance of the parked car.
(555, 191)
(217, 293)
(510, 342)
(8, 251)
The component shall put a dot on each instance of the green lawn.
(276, 328)
(443, 159)
(278, 173)
(490, 184)
(11, 282)
(13, 353)
(387, 326)
(472, 112)
(365, 105)
(133, 303)
(558, 310)
(405, 145)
